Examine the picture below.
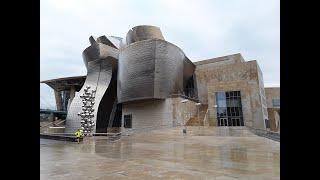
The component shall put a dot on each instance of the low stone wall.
(46, 127)
(59, 137)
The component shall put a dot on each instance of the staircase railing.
(265, 133)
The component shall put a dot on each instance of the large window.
(127, 121)
(276, 102)
(229, 108)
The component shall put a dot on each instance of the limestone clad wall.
(272, 93)
(273, 112)
(158, 113)
(249, 102)
(262, 94)
(209, 74)
(232, 73)
(182, 112)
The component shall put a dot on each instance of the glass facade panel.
(229, 122)
(229, 108)
(234, 122)
(276, 102)
(221, 112)
(221, 99)
(238, 122)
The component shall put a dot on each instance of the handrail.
(265, 133)
(256, 129)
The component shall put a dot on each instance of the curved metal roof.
(66, 83)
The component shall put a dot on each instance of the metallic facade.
(151, 68)
(143, 75)
(101, 63)
(144, 67)
(140, 33)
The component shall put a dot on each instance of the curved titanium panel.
(98, 51)
(151, 69)
(144, 32)
(136, 71)
(100, 62)
(169, 69)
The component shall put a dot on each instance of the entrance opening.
(127, 121)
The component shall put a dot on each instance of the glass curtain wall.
(229, 108)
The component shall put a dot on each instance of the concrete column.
(57, 95)
(72, 94)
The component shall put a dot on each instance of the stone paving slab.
(164, 154)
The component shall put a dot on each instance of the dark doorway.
(127, 121)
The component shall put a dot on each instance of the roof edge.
(63, 78)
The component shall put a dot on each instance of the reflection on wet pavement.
(211, 153)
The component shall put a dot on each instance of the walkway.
(214, 153)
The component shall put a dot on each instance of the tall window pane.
(221, 99)
(276, 102)
(229, 108)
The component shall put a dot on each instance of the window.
(276, 102)
(221, 111)
(127, 121)
(238, 122)
(229, 122)
(267, 123)
(221, 99)
(229, 108)
(233, 122)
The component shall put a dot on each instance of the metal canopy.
(66, 83)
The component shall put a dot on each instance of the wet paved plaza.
(208, 153)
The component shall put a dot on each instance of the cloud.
(202, 29)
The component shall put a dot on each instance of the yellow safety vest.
(77, 134)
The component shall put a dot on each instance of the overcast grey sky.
(201, 28)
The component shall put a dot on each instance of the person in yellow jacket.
(78, 135)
